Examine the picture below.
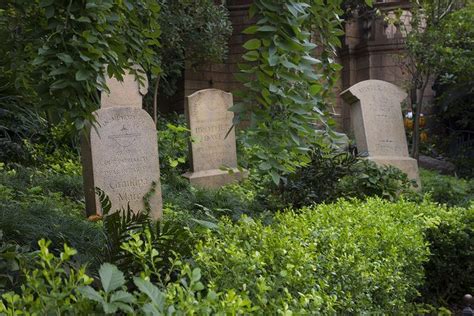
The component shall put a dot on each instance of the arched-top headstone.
(213, 148)
(127, 93)
(377, 122)
(120, 154)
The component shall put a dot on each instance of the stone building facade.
(371, 50)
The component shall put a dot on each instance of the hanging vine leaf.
(285, 82)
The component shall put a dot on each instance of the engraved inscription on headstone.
(120, 156)
(213, 147)
(377, 123)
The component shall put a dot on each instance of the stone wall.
(370, 51)
(218, 76)
(373, 49)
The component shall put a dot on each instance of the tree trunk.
(155, 100)
(417, 106)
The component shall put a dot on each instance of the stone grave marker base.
(406, 164)
(215, 178)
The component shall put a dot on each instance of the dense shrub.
(368, 179)
(450, 270)
(335, 174)
(318, 182)
(53, 288)
(447, 189)
(346, 257)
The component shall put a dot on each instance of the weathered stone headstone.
(377, 122)
(213, 147)
(120, 154)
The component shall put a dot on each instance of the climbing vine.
(288, 76)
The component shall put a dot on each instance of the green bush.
(335, 174)
(447, 189)
(450, 270)
(368, 179)
(348, 257)
(318, 182)
(53, 288)
(173, 140)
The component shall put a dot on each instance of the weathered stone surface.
(127, 93)
(377, 122)
(120, 156)
(214, 145)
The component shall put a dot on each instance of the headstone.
(377, 122)
(213, 147)
(120, 153)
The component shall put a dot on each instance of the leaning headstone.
(213, 149)
(377, 122)
(120, 153)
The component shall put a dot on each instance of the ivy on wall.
(286, 84)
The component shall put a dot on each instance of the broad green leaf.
(196, 275)
(59, 71)
(38, 60)
(267, 28)
(111, 277)
(45, 3)
(206, 224)
(65, 57)
(90, 293)
(153, 293)
(315, 89)
(251, 55)
(122, 296)
(84, 19)
(252, 44)
(250, 30)
(82, 75)
(275, 177)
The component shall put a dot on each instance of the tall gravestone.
(120, 153)
(377, 122)
(213, 148)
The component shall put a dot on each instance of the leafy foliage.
(349, 256)
(369, 179)
(319, 181)
(11, 257)
(137, 244)
(61, 50)
(345, 257)
(446, 189)
(193, 31)
(435, 50)
(55, 291)
(450, 272)
(173, 140)
(285, 84)
(17, 126)
(114, 296)
(335, 174)
(50, 287)
(31, 208)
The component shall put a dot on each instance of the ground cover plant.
(348, 256)
(205, 230)
(448, 189)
